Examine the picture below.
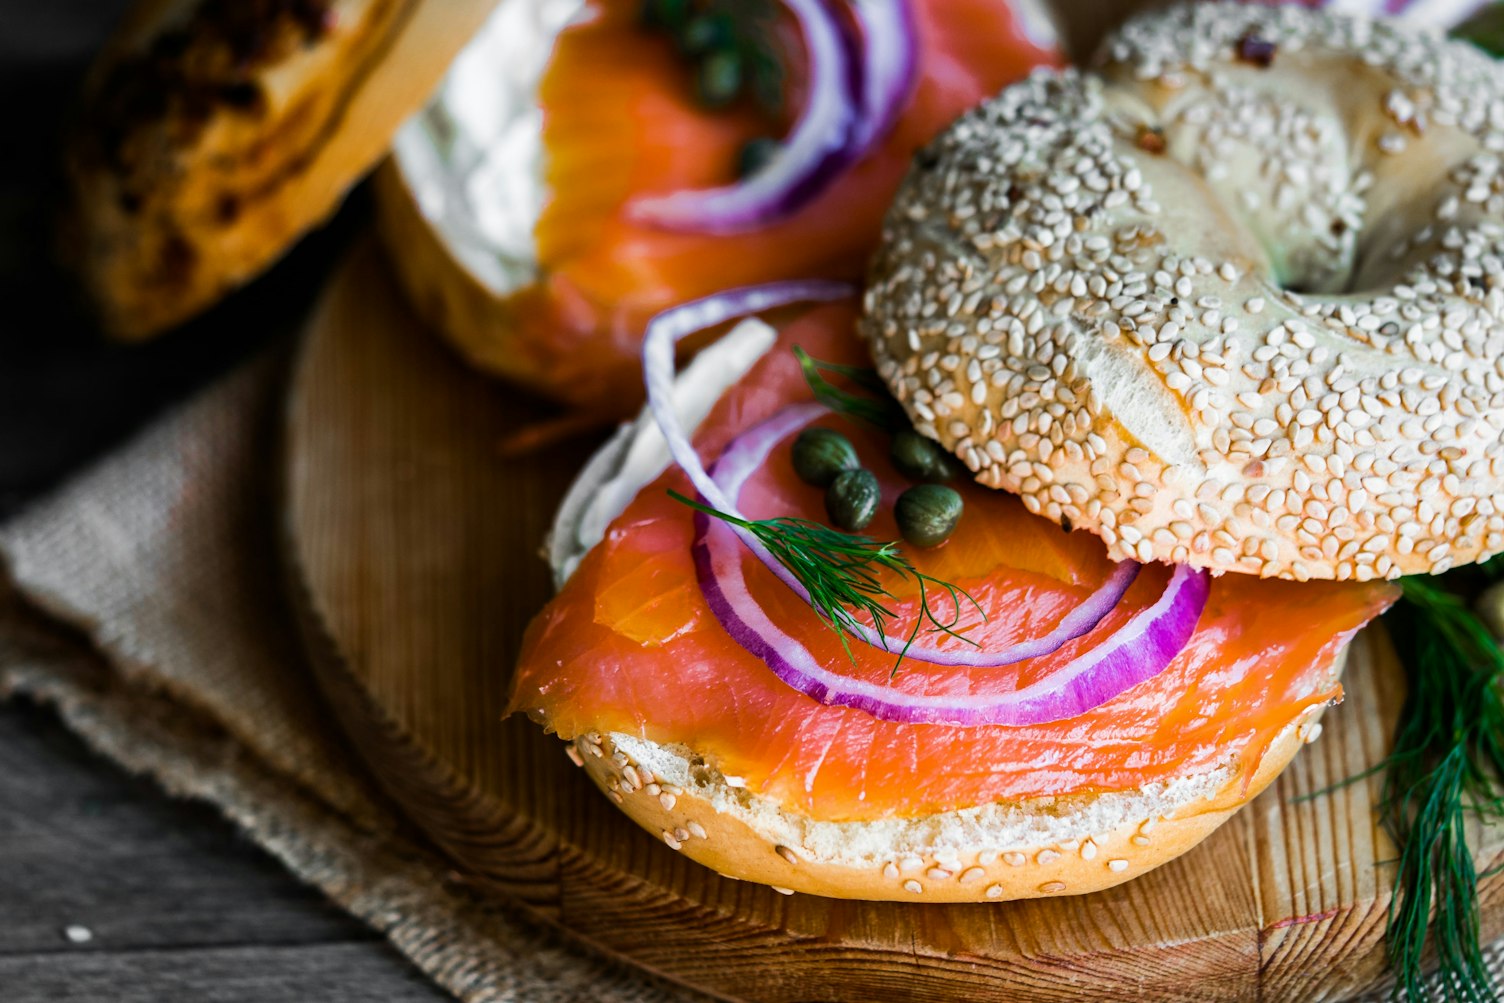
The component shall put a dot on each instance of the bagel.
(211, 134)
(507, 202)
(678, 724)
(1034, 848)
(1229, 300)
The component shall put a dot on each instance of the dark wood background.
(179, 906)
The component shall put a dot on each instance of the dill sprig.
(879, 410)
(1448, 755)
(1485, 29)
(841, 572)
(1446, 763)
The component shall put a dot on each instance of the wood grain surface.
(415, 552)
(177, 904)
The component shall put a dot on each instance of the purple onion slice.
(1135, 652)
(890, 66)
(858, 83)
(749, 451)
(671, 326)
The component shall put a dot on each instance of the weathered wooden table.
(111, 891)
(175, 904)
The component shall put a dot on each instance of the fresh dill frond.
(1446, 763)
(880, 410)
(840, 571)
(1485, 29)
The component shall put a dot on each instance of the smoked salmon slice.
(630, 645)
(620, 121)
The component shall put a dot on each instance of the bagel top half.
(1233, 300)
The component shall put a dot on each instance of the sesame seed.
(1117, 864)
(1050, 887)
(1269, 380)
(913, 886)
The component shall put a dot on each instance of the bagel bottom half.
(1010, 850)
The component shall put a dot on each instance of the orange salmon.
(620, 121)
(630, 645)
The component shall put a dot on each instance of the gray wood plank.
(83, 843)
(329, 973)
(177, 904)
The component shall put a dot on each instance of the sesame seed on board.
(1034, 301)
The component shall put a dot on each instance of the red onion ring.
(1139, 650)
(749, 451)
(890, 66)
(819, 146)
(671, 326)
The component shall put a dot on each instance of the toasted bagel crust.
(212, 134)
(1084, 292)
(727, 829)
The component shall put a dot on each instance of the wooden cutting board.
(415, 558)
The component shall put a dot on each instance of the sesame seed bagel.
(1010, 850)
(1231, 301)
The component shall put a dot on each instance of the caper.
(919, 458)
(669, 14)
(852, 499)
(821, 455)
(720, 78)
(755, 154)
(927, 514)
(706, 33)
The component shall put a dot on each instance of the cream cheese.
(637, 453)
(473, 158)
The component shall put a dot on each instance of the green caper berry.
(821, 455)
(920, 459)
(720, 78)
(852, 499)
(669, 14)
(706, 33)
(927, 514)
(755, 154)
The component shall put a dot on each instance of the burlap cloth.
(144, 604)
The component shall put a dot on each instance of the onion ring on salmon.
(563, 116)
(829, 134)
(718, 565)
(1138, 649)
(631, 665)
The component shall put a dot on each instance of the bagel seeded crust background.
(1230, 301)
